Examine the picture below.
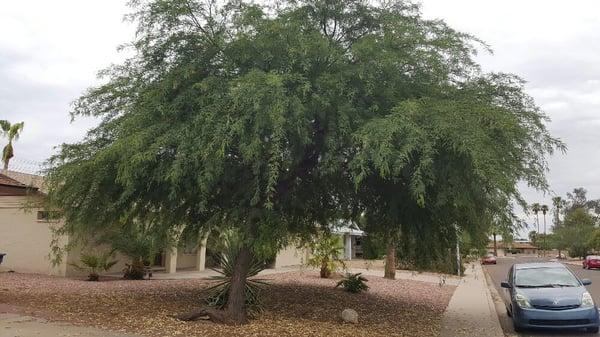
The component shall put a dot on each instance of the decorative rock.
(350, 316)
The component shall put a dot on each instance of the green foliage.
(95, 264)
(373, 247)
(12, 132)
(473, 246)
(578, 226)
(354, 283)
(278, 121)
(326, 250)
(545, 241)
(137, 243)
(594, 241)
(218, 294)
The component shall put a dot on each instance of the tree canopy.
(277, 120)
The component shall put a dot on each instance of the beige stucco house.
(26, 234)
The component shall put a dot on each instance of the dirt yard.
(296, 303)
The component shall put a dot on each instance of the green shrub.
(135, 242)
(354, 283)
(94, 264)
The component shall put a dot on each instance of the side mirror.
(506, 285)
(586, 281)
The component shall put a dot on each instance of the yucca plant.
(219, 293)
(354, 283)
(95, 264)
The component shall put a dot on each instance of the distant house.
(352, 237)
(517, 247)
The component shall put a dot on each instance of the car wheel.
(517, 327)
(508, 313)
(593, 330)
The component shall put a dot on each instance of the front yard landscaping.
(296, 304)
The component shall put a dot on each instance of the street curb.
(492, 303)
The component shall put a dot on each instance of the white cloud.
(50, 51)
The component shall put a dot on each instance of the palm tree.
(12, 131)
(558, 203)
(535, 208)
(544, 209)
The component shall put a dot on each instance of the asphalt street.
(499, 273)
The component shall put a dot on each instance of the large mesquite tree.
(278, 120)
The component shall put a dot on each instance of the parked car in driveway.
(591, 261)
(488, 259)
(548, 295)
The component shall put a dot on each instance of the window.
(48, 216)
(545, 277)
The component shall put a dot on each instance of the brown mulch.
(296, 304)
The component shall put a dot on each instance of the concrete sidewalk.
(471, 311)
(13, 325)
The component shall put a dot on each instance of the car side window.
(510, 274)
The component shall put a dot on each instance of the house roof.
(513, 245)
(30, 180)
(341, 227)
(8, 181)
(12, 187)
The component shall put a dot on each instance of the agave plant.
(95, 264)
(219, 293)
(354, 283)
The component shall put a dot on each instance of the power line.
(26, 166)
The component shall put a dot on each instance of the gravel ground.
(296, 304)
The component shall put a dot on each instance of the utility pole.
(457, 251)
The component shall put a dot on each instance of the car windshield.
(545, 277)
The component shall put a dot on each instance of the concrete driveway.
(15, 325)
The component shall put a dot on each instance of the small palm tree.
(12, 131)
(95, 264)
(326, 252)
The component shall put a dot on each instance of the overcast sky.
(50, 52)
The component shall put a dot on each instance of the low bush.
(95, 264)
(354, 283)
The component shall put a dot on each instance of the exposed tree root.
(214, 315)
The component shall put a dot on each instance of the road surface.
(499, 273)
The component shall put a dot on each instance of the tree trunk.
(390, 261)
(325, 271)
(496, 246)
(236, 303)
